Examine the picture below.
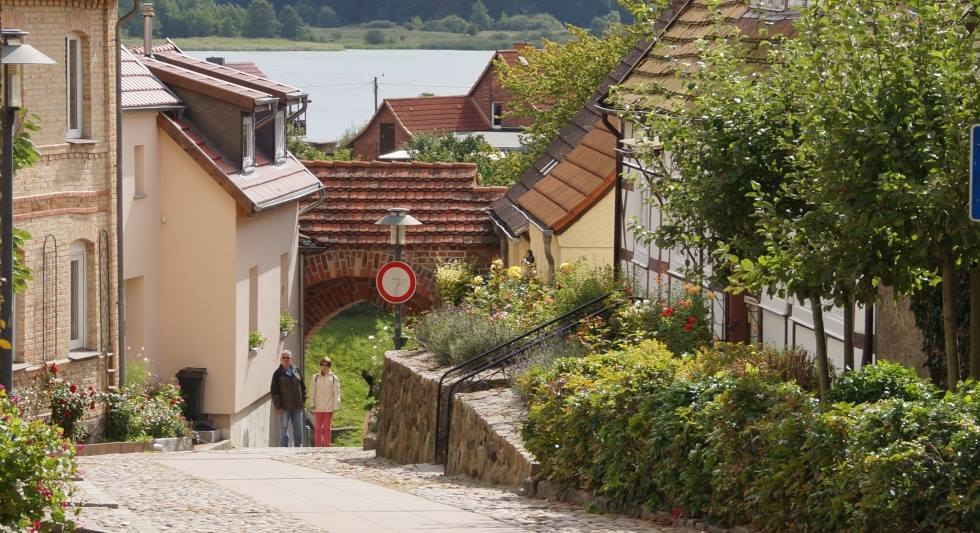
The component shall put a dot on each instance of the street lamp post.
(398, 219)
(13, 54)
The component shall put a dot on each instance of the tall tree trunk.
(975, 322)
(823, 364)
(949, 316)
(849, 334)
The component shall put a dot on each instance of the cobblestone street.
(340, 489)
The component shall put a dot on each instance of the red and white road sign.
(396, 282)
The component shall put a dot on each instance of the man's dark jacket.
(288, 393)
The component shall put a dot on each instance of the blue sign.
(975, 173)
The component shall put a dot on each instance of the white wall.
(261, 242)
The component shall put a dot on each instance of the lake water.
(340, 83)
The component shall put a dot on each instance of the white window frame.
(74, 106)
(280, 135)
(77, 297)
(248, 142)
(496, 112)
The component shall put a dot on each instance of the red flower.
(691, 322)
(73, 388)
(688, 327)
(92, 405)
(53, 368)
(668, 311)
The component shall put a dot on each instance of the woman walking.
(326, 400)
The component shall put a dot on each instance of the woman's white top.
(326, 393)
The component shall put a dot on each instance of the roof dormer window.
(280, 136)
(248, 142)
(497, 110)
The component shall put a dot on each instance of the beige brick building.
(67, 200)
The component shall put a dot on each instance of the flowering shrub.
(36, 468)
(69, 403)
(512, 295)
(137, 413)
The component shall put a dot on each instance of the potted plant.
(256, 340)
(286, 324)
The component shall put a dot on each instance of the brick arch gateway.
(342, 249)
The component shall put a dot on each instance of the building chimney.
(216, 60)
(147, 29)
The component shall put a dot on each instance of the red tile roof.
(140, 90)
(264, 187)
(431, 114)
(443, 196)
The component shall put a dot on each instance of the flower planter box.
(176, 444)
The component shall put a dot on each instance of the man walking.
(289, 397)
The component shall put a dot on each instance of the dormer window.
(497, 112)
(248, 142)
(280, 136)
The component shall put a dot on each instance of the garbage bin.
(191, 382)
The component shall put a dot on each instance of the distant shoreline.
(352, 38)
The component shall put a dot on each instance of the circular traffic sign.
(396, 282)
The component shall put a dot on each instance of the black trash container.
(191, 382)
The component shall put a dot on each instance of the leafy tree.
(327, 17)
(562, 76)
(414, 24)
(290, 22)
(374, 36)
(297, 145)
(480, 17)
(448, 148)
(600, 25)
(261, 20)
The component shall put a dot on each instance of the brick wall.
(488, 90)
(365, 146)
(336, 279)
(69, 195)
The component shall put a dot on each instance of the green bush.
(374, 36)
(880, 381)
(36, 469)
(69, 402)
(381, 24)
(723, 435)
(577, 284)
(453, 280)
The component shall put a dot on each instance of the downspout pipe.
(120, 275)
(618, 212)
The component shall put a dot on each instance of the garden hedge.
(742, 446)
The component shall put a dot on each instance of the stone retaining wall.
(406, 419)
(407, 412)
(485, 442)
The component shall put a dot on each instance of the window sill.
(21, 366)
(140, 196)
(81, 141)
(81, 355)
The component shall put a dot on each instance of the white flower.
(371, 337)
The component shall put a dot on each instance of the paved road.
(336, 489)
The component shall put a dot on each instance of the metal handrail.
(502, 355)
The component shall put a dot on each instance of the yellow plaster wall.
(590, 238)
(198, 277)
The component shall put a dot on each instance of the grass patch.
(352, 37)
(347, 341)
